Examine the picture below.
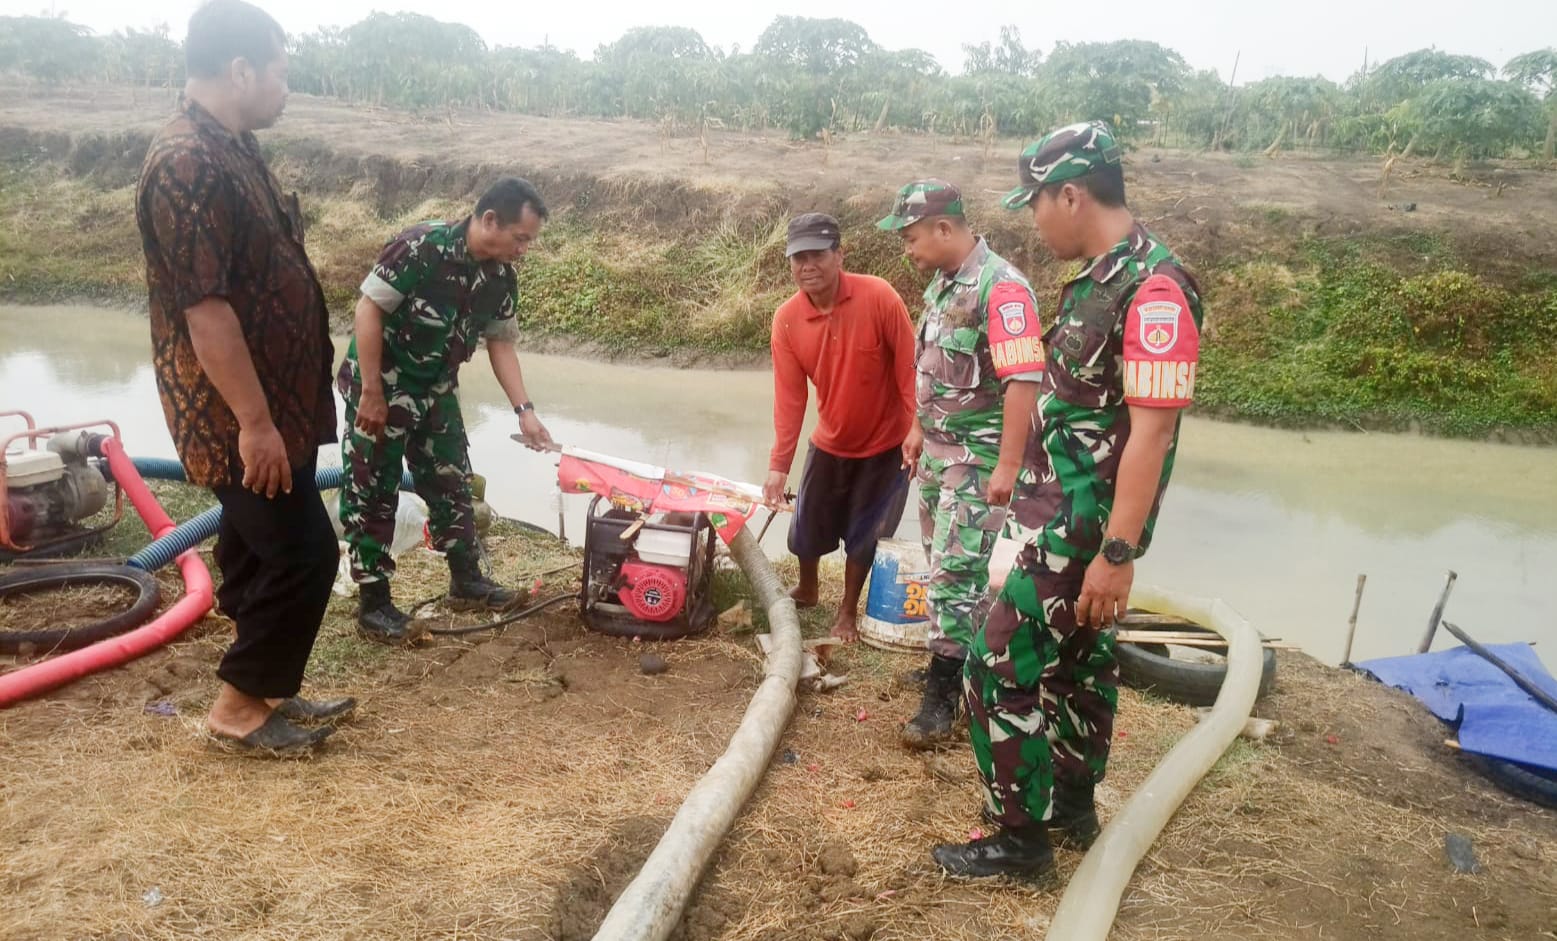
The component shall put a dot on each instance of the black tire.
(1536, 785)
(1151, 667)
(148, 597)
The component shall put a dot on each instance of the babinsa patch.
(1159, 325)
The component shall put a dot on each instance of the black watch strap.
(523, 407)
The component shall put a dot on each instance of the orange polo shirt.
(860, 357)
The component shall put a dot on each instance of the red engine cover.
(653, 592)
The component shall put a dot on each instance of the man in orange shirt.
(850, 336)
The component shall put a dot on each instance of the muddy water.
(1278, 523)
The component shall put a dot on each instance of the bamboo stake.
(1432, 623)
(1351, 628)
(1537, 693)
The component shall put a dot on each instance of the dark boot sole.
(1041, 876)
(915, 741)
(1042, 879)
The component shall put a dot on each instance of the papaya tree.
(48, 48)
(1537, 71)
(1476, 117)
(146, 57)
(401, 58)
(1296, 109)
(1124, 82)
(1392, 90)
(656, 72)
(822, 57)
(1008, 57)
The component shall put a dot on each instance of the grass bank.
(1364, 330)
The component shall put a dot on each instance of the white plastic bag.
(410, 532)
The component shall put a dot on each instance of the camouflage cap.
(1065, 154)
(922, 199)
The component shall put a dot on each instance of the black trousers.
(278, 559)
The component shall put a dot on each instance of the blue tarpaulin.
(1495, 717)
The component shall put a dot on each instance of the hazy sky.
(1326, 37)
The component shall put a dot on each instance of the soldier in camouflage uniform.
(978, 359)
(1041, 682)
(436, 290)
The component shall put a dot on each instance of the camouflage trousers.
(959, 529)
(1041, 692)
(427, 432)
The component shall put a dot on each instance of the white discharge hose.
(1091, 901)
(651, 905)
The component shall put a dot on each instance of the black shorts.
(853, 500)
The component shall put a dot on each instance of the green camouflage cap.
(1070, 152)
(922, 199)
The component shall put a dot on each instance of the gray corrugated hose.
(1091, 901)
(651, 905)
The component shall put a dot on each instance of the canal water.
(1278, 523)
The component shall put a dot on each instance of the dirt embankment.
(1428, 304)
(1209, 206)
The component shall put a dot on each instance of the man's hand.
(773, 490)
(536, 437)
(372, 413)
(1105, 593)
(1002, 483)
(913, 446)
(264, 455)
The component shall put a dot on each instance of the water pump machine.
(647, 576)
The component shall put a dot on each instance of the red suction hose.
(57, 671)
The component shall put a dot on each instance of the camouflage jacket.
(1127, 333)
(438, 302)
(980, 327)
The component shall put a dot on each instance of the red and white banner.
(646, 488)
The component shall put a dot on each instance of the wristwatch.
(1118, 551)
(523, 407)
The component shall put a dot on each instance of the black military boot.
(1022, 852)
(1075, 814)
(469, 589)
(377, 617)
(939, 706)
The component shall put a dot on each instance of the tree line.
(814, 77)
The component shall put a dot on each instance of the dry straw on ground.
(508, 786)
